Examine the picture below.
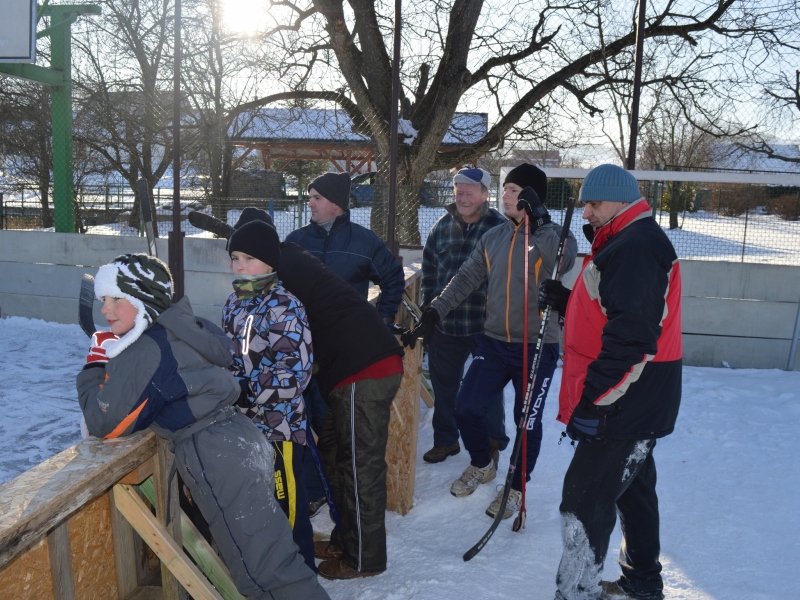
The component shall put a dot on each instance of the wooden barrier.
(72, 528)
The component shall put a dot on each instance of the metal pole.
(637, 84)
(176, 235)
(61, 114)
(391, 223)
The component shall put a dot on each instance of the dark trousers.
(352, 444)
(494, 364)
(290, 492)
(316, 411)
(603, 478)
(446, 357)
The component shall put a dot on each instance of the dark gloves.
(552, 293)
(529, 202)
(394, 327)
(588, 422)
(424, 329)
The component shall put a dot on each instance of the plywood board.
(401, 448)
(28, 577)
(92, 546)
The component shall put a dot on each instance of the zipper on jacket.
(248, 325)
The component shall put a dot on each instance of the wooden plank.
(401, 447)
(195, 544)
(139, 474)
(166, 548)
(426, 392)
(166, 493)
(61, 562)
(37, 500)
(125, 556)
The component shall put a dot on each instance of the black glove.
(552, 293)
(588, 422)
(244, 395)
(424, 329)
(529, 202)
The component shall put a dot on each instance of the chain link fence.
(705, 221)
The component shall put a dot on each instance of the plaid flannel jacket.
(449, 244)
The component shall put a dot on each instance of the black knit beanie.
(259, 240)
(529, 175)
(251, 213)
(334, 187)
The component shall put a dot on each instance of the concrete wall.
(742, 314)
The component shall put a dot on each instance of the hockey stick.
(326, 485)
(519, 522)
(147, 216)
(412, 307)
(86, 305)
(209, 223)
(529, 392)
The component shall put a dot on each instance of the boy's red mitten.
(101, 341)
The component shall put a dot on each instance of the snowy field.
(728, 486)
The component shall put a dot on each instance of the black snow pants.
(352, 444)
(603, 478)
(228, 468)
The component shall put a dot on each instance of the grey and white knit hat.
(145, 282)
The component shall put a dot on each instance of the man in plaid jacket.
(450, 242)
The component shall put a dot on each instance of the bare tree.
(122, 77)
(527, 60)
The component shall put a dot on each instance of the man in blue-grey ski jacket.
(353, 252)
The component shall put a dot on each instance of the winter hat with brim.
(527, 175)
(145, 282)
(334, 187)
(259, 240)
(609, 183)
(472, 176)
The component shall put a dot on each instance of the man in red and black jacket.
(620, 388)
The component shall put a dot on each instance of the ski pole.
(519, 522)
(469, 554)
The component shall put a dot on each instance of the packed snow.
(728, 486)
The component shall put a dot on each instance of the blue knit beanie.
(609, 183)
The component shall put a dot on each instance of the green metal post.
(655, 194)
(61, 111)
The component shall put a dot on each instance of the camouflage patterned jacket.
(272, 356)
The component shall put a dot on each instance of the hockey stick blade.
(529, 392)
(209, 223)
(86, 305)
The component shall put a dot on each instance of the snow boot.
(438, 453)
(613, 591)
(512, 505)
(471, 478)
(494, 450)
(315, 506)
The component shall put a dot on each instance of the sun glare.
(244, 16)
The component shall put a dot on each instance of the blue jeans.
(494, 364)
(446, 357)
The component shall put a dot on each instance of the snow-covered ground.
(728, 486)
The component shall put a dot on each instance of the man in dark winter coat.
(620, 388)
(359, 257)
(353, 252)
(450, 242)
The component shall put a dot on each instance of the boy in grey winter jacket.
(160, 367)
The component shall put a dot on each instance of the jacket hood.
(179, 319)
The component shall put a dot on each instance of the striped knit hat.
(145, 282)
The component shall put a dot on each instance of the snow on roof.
(314, 124)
